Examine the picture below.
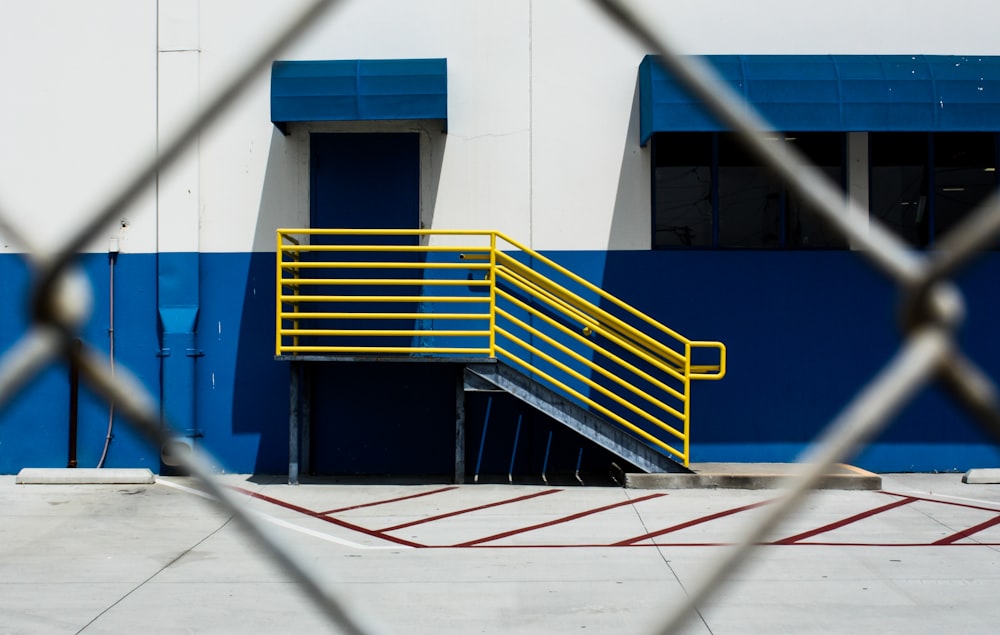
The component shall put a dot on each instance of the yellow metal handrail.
(459, 294)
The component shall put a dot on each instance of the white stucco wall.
(541, 139)
(78, 108)
(589, 174)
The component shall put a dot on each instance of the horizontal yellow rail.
(702, 372)
(383, 298)
(383, 332)
(285, 315)
(386, 349)
(402, 282)
(378, 249)
(379, 265)
(522, 307)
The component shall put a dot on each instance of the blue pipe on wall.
(177, 305)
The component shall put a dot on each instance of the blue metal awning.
(813, 93)
(358, 90)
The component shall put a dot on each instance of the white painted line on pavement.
(322, 536)
(285, 524)
(962, 498)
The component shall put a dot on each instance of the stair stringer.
(490, 377)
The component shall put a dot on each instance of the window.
(805, 227)
(709, 191)
(749, 198)
(682, 190)
(965, 173)
(958, 167)
(898, 183)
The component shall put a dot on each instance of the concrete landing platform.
(982, 476)
(751, 476)
(84, 476)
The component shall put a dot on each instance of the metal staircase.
(516, 320)
(491, 377)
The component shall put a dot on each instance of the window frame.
(932, 165)
(715, 140)
(931, 168)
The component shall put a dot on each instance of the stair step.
(602, 432)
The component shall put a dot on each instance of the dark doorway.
(377, 417)
(365, 180)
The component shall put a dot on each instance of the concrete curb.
(85, 476)
(752, 476)
(982, 476)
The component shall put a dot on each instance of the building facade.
(549, 134)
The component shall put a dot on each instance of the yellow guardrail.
(480, 294)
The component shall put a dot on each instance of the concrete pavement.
(922, 555)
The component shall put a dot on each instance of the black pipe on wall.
(74, 403)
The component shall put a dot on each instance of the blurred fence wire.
(931, 310)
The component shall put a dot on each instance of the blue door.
(366, 181)
(375, 417)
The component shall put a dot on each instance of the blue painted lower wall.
(804, 330)
(34, 427)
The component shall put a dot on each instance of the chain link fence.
(931, 310)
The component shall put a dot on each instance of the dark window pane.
(805, 227)
(749, 198)
(964, 175)
(682, 189)
(898, 185)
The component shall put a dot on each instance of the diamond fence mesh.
(931, 310)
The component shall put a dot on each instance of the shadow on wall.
(258, 439)
(280, 204)
(432, 148)
(631, 223)
(285, 197)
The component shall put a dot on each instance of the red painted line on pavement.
(334, 521)
(965, 533)
(844, 522)
(389, 500)
(690, 523)
(550, 523)
(717, 544)
(471, 509)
